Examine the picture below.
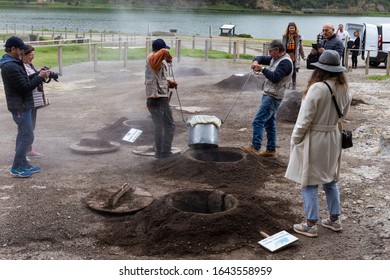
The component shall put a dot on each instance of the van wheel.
(374, 64)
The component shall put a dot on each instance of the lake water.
(187, 23)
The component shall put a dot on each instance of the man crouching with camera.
(18, 89)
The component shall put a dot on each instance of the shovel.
(277, 241)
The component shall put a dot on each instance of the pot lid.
(204, 119)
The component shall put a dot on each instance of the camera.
(53, 75)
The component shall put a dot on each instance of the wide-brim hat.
(330, 62)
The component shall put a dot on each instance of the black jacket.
(18, 85)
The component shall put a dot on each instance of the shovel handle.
(263, 234)
(114, 199)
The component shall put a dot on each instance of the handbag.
(40, 98)
(346, 135)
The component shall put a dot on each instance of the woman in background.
(355, 48)
(38, 95)
(293, 43)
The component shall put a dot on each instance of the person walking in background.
(277, 76)
(316, 143)
(38, 94)
(293, 43)
(157, 97)
(343, 35)
(355, 48)
(18, 88)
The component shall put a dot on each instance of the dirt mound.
(190, 71)
(163, 229)
(248, 82)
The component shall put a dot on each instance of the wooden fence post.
(235, 51)
(60, 59)
(206, 50)
(367, 62)
(95, 58)
(346, 60)
(89, 50)
(388, 64)
(244, 47)
(147, 46)
(120, 47)
(193, 42)
(178, 50)
(125, 53)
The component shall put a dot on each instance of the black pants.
(164, 125)
(354, 59)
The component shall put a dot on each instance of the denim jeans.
(265, 118)
(310, 200)
(164, 125)
(24, 138)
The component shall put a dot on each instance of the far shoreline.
(236, 10)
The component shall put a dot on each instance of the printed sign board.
(132, 135)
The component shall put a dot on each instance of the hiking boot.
(304, 229)
(250, 150)
(333, 225)
(20, 172)
(33, 154)
(268, 154)
(32, 168)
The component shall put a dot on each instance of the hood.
(6, 58)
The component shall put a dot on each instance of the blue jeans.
(310, 200)
(265, 118)
(24, 138)
(164, 125)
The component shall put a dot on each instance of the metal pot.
(203, 136)
(203, 131)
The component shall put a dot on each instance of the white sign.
(132, 135)
(278, 241)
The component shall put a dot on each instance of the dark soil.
(208, 203)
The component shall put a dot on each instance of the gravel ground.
(44, 217)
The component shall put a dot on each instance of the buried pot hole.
(202, 202)
(221, 155)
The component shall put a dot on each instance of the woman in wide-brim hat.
(316, 143)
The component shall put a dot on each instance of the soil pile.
(163, 229)
(248, 82)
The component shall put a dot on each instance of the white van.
(371, 39)
(384, 41)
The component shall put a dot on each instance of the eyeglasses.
(272, 49)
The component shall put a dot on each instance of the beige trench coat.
(316, 139)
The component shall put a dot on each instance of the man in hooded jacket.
(18, 88)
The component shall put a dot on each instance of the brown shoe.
(250, 150)
(268, 154)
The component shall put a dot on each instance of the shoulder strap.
(334, 100)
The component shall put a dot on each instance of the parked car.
(371, 39)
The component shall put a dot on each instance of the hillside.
(283, 6)
(354, 7)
